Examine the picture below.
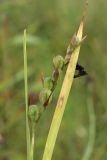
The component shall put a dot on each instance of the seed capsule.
(44, 96)
(48, 83)
(33, 98)
(75, 41)
(58, 62)
(34, 113)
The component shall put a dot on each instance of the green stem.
(32, 140)
(26, 97)
(92, 127)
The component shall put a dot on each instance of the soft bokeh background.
(50, 25)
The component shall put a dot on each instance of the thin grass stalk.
(32, 141)
(61, 104)
(92, 125)
(26, 97)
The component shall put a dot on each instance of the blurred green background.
(50, 25)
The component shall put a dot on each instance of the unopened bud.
(75, 41)
(45, 95)
(56, 74)
(34, 113)
(48, 83)
(58, 62)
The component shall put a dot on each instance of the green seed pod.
(48, 83)
(44, 95)
(58, 62)
(34, 113)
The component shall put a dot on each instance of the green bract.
(34, 113)
(45, 95)
(58, 62)
(48, 83)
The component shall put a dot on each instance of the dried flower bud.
(58, 62)
(48, 83)
(56, 74)
(33, 98)
(44, 96)
(34, 113)
(75, 41)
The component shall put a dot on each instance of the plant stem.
(26, 97)
(60, 107)
(32, 140)
(92, 126)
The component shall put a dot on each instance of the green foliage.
(18, 40)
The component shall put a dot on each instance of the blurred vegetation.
(50, 25)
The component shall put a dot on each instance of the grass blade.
(92, 124)
(60, 107)
(26, 97)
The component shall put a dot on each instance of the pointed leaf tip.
(80, 30)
